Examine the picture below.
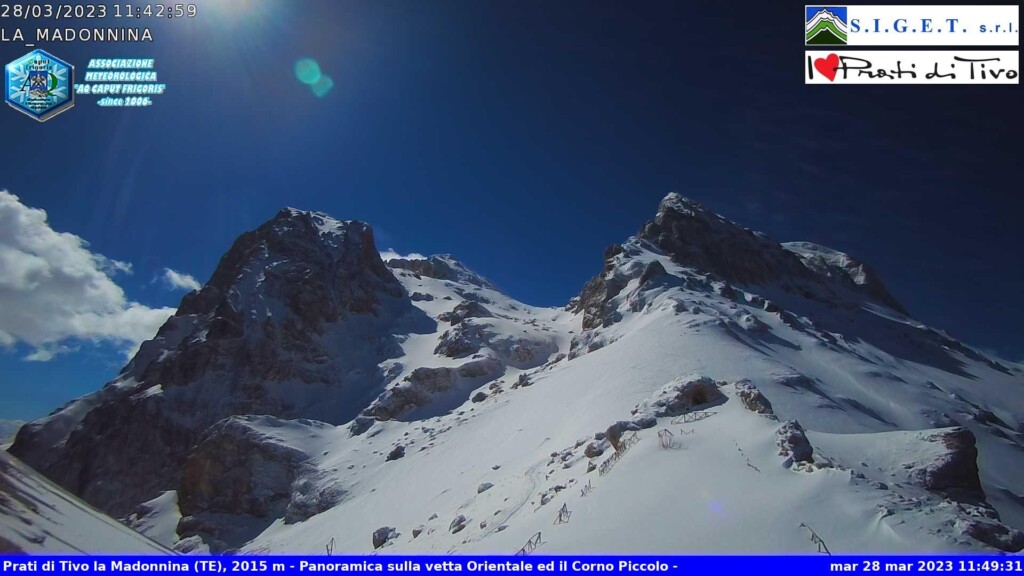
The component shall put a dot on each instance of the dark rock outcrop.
(236, 469)
(593, 300)
(955, 474)
(396, 453)
(383, 535)
(707, 243)
(467, 309)
(995, 534)
(752, 398)
(682, 396)
(420, 387)
(458, 524)
(281, 329)
(793, 443)
(441, 267)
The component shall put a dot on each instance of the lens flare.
(308, 71)
(322, 86)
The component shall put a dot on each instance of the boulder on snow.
(682, 395)
(396, 453)
(484, 487)
(461, 341)
(614, 432)
(793, 443)
(593, 450)
(479, 397)
(383, 535)
(753, 399)
(955, 473)
(458, 524)
(522, 382)
(466, 309)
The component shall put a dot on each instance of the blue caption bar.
(689, 565)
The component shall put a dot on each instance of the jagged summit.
(442, 267)
(324, 253)
(311, 392)
(700, 239)
(293, 323)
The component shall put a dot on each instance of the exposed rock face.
(593, 300)
(419, 388)
(236, 469)
(470, 337)
(293, 323)
(245, 467)
(753, 399)
(383, 535)
(458, 524)
(698, 238)
(701, 240)
(467, 309)
(396, 453)
(793, 443)
(442, 267)
(956, 472)
(996, 535)
(682, 395)
(461, 340)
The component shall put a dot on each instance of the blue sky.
(523, 137)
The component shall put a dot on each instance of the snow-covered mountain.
(711, 390)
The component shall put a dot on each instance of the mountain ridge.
(309, 381)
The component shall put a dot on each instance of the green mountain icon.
(825, 28)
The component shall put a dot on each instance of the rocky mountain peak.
(710, 245)
(293, 323)
(441, 267)
(698, 238)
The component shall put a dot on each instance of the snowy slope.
(800, 394)
(725, 489)
(36, 515)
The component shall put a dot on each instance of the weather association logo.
(40, 85)
(826, 26)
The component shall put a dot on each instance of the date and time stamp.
(93, 11)
(42, 84)
(37, 23)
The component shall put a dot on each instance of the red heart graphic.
(827, 66)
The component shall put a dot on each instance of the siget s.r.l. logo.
(825, 26)
(39, 85)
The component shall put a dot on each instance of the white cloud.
(53, 289)
(180, 281)
(390, 254)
